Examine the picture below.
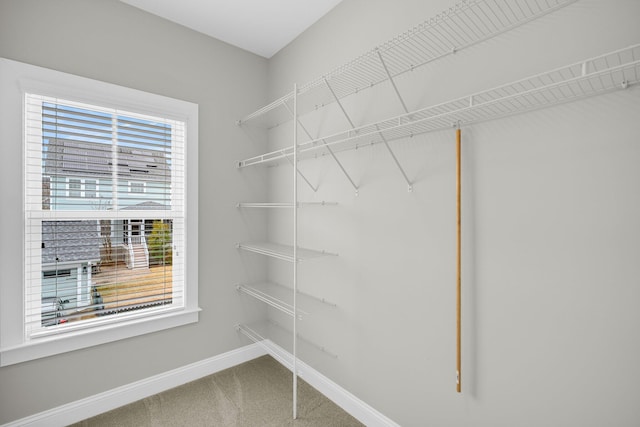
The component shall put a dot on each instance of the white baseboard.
(102, 402)
(341, 397)
(364, 413)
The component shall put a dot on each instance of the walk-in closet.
(409, 213)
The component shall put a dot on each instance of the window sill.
(65, 342)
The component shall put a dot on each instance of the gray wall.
(110, 41)
(551, 238)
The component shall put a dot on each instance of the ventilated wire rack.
(269, 332)
(282, 252)
(463, 25)
(612, 71)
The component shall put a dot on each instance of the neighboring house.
(69, 250)
(80, 175)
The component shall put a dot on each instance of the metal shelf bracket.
(406, 110)
(304, 178)
(333, 155)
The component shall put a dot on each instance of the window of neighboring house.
(56, 273)
(110, 133)
(74, 188)
(90, 188)
(136, 187)
(81, 188)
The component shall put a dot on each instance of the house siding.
(81, 176)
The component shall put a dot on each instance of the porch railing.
(136, 240)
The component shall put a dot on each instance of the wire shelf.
(261, 334)
(609, 72)
(284, 205)
(282, 252)
(465, 24)
(273, 296)
(269, 332)
(281, 298)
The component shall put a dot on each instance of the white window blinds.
(104, 215)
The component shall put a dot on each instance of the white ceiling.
(259, 26)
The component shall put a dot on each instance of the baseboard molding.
(361, 411)
(341, 397)
(102, 402)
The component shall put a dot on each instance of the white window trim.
(16, 79)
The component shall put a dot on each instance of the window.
(73, 187)
(56, 273)
(136, 187)
(90, 188)
(76, 188)
(70, 138)
(84, 282)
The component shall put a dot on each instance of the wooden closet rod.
(458, 264)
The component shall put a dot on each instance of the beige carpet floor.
(255, 393)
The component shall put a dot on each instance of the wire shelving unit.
(283, 252)
(616, 70)
(281, 298)
(284, 205)
(268, 333)
(465, 24)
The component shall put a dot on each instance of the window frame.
(17, 79)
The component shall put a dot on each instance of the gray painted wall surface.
(110, 41)
(551, 238)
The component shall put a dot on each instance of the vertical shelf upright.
(295, 250)
(293, 254)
